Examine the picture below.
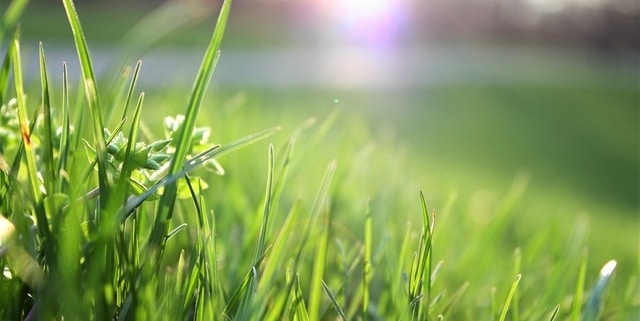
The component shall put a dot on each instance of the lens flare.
(370, 22)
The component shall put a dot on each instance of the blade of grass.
(334, 301)
(262, 238)
(167, 201)
(4, 74)
(579, 293)
(194, 163)
(366, 271)
(298, 308)
(554, 314)
(282, 241)
(64, 135)
(128, 165)
(515, 305)
(266, 209)
(454, 298)
(134, 81)
(319, 264)
(594, 302)
(507, 304)
(420, 287)
(34, 184)
(92, 96)
(49, 175)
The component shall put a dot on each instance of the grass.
(140, 217)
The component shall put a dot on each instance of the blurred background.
(481, 92)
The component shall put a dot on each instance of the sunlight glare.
(372, 22)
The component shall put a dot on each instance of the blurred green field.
(576, 147)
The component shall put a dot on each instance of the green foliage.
(120, 221)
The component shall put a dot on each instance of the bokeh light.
(364, 22)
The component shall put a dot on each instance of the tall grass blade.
(298, 309)
(454, 298)
(334, 301)
(128, 165)
(579, 292)
(421, 271)
(48, 162)
(266, 209)
(92, 95)
(5, 70)
(319, 262)
(594, 302)
(66, 129)
(32, 170)
(193, 164)
(554, 314)
(367, 273)
(507, 304)
(168, 199)
(132, 86)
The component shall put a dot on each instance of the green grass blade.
(134, 81)
(594, 302)
(92, 95)
(454, 298)
(193, 164)
(4, 74)
(579, 292)
(366, 271)
(515, 303)
(49, 174)
(334, 301)
(167, 201)
(34, 184)
(128, 165)
(421, 271)
(554, 314)
(266, 209)
(24, 122)
(317, 274)
(66, 129)
(507, 304)
(298, 309)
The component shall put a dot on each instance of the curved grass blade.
(168, 199)
(579, 294)
(134, 81)
(262, 240)
(594, 302)
(34, 184)
(454, 298)
(47, 160)
(192, 164)
(507, 304)
(66, 128)
(554, 314)
(128, 165)
(4, 74)
(92, 95)
(422, 265)
(334, 301)
(366, 271)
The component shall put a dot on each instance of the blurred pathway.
(349, 68)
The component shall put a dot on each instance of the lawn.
(458, 202)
